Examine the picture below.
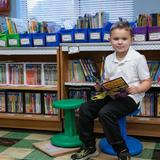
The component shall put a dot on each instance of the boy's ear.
(109, 39)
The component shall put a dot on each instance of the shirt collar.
(128, 56)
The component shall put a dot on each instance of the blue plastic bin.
(95, 35)
(80, 35)
(26, 40)
(67, 36)
(39, 39)
(52, 39)
(105, 35)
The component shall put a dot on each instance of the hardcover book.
(114, 88)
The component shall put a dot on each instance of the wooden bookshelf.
(39, 121)
(141, 126)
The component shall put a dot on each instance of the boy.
(132, 66)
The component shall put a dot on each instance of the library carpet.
(17, 145)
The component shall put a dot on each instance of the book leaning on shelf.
(114, 88)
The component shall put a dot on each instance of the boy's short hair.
(122, 24)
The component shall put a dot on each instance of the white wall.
(146, 6)
(141, 6)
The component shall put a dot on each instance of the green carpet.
(17, 145)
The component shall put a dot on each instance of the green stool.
(70, 137)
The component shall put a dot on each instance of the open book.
(114, 88)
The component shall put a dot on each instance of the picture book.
(115, 87)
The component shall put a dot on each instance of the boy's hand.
(133, 89)
(97, 87)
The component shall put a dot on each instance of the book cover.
(115, 87)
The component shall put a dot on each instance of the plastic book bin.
(70, 137)
(140, 34)
(154, 33)
(134, 145)
(39, 39)
(52, 39)
(26, 40)
(105, 35)
(95, 35)
(106, 32)
(3, 40)
(13, 40)
(67, 36)
(80, 36)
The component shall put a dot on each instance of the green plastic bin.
(13, 40)
(3, 40)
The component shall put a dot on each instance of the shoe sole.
(95, 154)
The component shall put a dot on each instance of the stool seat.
(134, 145)
(68, 103)
(69, 138)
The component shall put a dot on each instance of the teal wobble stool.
(70, 137)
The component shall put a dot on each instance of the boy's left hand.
(133, 90)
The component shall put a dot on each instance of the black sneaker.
(124, 155)
(84, 153)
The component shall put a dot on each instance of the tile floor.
(17, 145)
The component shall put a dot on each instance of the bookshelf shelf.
(150, 45)
(79, 84)
(29, 51)
(29, 117)
(34, 88)
(92, 84)
(36, 112)
(140, 126)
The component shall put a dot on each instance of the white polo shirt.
(133, 68)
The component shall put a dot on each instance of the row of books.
(152, 19)
(28, 73)
(147, 106)
(15, 25)
(98, 20)
(31, 103)
(85, 70)
(154, 68)
(82, 70)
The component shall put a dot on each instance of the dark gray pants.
(109, 111)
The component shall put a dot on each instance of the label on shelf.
(79, 36)
(106, 36)
(139, 37)
(13, 42)
(72, 50)
(95, 35)
(2, 43)
(38, 42)
(66, 38)
(51, 38)
(154, 36)
(24, 41)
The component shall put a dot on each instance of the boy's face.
(121, 40)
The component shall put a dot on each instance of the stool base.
(134, 145)
(63, 140)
